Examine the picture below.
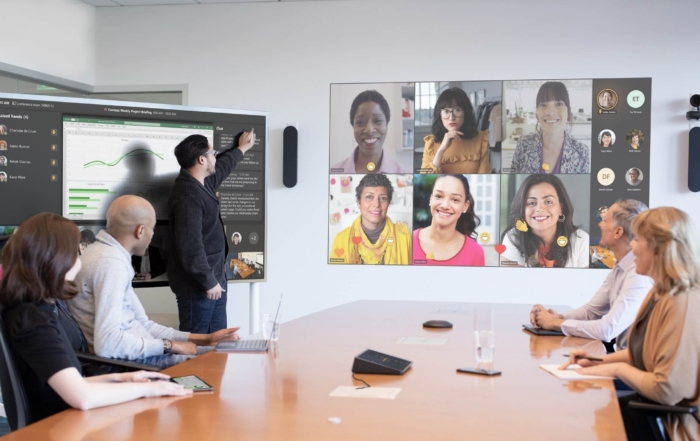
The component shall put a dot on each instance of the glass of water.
(485, 343)
(270, 330)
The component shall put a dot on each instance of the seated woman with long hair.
(450, 239)
(455, 145)
(40, 262)
(540, 215)
(662, 361)
(373, 238)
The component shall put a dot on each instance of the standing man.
(614, 307)
(198, 240)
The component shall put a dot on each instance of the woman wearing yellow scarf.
(373, 239)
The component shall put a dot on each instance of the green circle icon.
(635, 99)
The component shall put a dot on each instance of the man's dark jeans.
(200, 315)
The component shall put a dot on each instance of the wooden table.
(284, 394)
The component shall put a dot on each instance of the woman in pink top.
(449, 240)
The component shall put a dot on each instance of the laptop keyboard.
(251, 344)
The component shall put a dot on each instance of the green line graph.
(135, 152)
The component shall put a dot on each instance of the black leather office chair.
(655, 412)
(13, 395)
(610, 345)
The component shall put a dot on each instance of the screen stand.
(254, 308)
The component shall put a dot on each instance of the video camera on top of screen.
(695, 102)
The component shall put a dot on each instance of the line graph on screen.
(135, 152)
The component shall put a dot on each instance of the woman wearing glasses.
(456, 146)
(551, 149)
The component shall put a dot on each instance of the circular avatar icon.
(635, 138)
(607, 99)
(601, 213)
(635, 99)
(634, 176)
(606, 176)
(606, 138)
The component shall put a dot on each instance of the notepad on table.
(570, 373)
(421, 341)
(386, 393)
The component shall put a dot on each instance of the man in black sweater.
(198, 241)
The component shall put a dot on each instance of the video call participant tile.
(455, 220)
(370, 219)
(548, 221)
(459, 127)
(548, 126)
(367, 126)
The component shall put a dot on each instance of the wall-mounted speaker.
(694, 159)
(289, 156)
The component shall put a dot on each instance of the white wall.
(55, 37)
(281, 57)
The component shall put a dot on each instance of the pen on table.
(586, 358)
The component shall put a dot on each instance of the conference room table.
(284, 394)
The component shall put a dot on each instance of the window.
(12, 84)
(426, 97)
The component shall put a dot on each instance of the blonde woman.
(662, 362)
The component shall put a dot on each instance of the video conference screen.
(73, 157)
(484, 173)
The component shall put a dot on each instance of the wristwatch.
(167, 346)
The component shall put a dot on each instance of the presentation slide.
(105, 159)
(75, 156)
(515, 173)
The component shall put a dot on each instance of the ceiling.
(108, 3)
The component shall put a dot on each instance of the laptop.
(540, 331)
(250, 345)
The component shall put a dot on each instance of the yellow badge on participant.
(430, 256)
(562, 241)
(545, 166)
(370, 166)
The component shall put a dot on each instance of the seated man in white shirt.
(613, 308)
(107, 309)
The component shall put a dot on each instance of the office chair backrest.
(13, 395)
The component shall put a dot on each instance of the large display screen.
(484, 173)
(75, 156)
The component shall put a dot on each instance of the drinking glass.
(484, 344)
(270, 330)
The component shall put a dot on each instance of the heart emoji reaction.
(500, 249)
(339, 252)
(356, 239)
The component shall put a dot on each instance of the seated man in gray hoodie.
(107, 309)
